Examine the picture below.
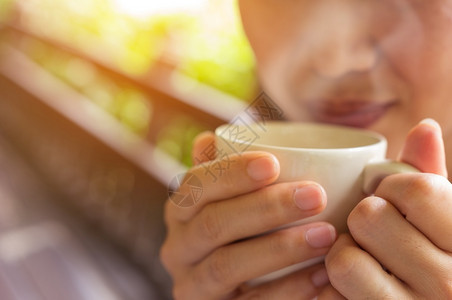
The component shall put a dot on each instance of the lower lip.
(364, 115)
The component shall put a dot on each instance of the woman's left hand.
(400, 241)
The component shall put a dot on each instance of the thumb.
(424, 148)
(204, 148)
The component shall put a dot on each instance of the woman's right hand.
(221, 242)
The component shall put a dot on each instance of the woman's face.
(378, 64)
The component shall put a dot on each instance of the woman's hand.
(400, 242)
(216, 245)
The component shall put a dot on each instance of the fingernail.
(431, 122)
(321, 236)
(309, 197)
(320, 278)
(263, 168)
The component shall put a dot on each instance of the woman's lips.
(356, 113)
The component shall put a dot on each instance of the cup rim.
(380, 139)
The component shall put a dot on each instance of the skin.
(200, 251)
(399, 237)
(394, 50)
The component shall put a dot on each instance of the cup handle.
(374, 173)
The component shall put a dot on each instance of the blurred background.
(99, 103)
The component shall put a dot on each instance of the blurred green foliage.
(126, 103)
(209, 47)
(5, 9)
(177, 138)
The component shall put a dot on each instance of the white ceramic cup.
(348, 162)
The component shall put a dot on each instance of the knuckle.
(284, 205)
(340, 265)
(231, 170)
(446, 289)
(366, 214)
(219, 270)
(415, 184)
(421, 188)
(276, 205)
(445, 284)
(210, 226)
(182, 189)
(420, 183)
(271, 205)
(285, 241)
(219, 172)
(229, 179)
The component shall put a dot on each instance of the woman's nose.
(343, 44)
(338, 58)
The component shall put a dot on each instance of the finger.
(330, 293)
(304, 284)
(380, 229)
(355, 274)
(426, 202)
(424, 148)
(204, 148)
(229, 266)
(222, 179)
(224, 222)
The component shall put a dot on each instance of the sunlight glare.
(140, 8)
